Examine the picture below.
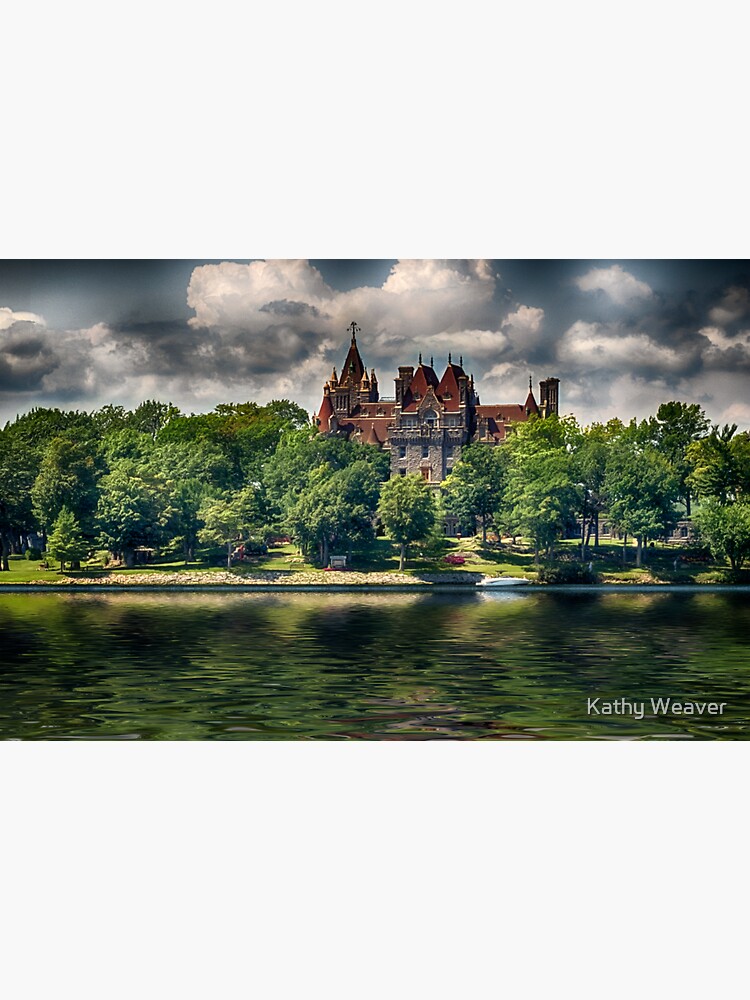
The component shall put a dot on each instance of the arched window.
(430, 418)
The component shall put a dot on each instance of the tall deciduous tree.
(641, 488)
(720, 464)
(541, 499)
(590, 463)
(134, 508)
(542, 496)
(676, 426)
(228, 518)
(474, 488)
(408, 511)
(67, 478)
(336, 506)
(17, 473)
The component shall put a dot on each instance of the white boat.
(503, 581)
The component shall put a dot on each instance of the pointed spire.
(353, 369)
(530, 383)
(373, 376)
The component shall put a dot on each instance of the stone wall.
(443, 450)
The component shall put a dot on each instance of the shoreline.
(416, 586)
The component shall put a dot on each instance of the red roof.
(448, 392)
(379, 409)
(530, 404)
(374, 431)
(505, 412)
(324, 414)
(354, 369)
(424, 377)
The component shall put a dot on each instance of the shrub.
(33, 553)
(567, 572)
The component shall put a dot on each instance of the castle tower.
(549, 396)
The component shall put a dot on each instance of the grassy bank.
(284, 564)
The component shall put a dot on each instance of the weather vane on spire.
(355, 329)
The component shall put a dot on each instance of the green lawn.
(490, 560)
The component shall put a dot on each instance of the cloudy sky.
(622, 336)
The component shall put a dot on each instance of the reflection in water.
(368, 666)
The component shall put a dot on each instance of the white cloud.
(621, 286)
(721, 342)
(608, 346)
(432, 306)
(8, 318)
(526, 319)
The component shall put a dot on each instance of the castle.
(429, 420)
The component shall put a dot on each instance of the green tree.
(134, 508)
(17, 474)
(247, 433)
(720, 464)
(541, 498)
(226, 519)
(474, 488)
(408, 511)
(726, 530)
(337, 506)
(287, 473)
(67, 478)
(590, 464)
(641, 488)
(151, 416)
(66, 541)
(676, 426)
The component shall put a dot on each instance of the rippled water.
(369, 666)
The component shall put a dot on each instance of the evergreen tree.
(66, 542)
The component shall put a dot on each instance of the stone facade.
(429, 420)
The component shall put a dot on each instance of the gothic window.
(430, 418)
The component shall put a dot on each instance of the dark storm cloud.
(283, 307)
(25, 357)
(179, 350)
(621, 335)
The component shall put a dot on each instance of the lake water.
(357, 666)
